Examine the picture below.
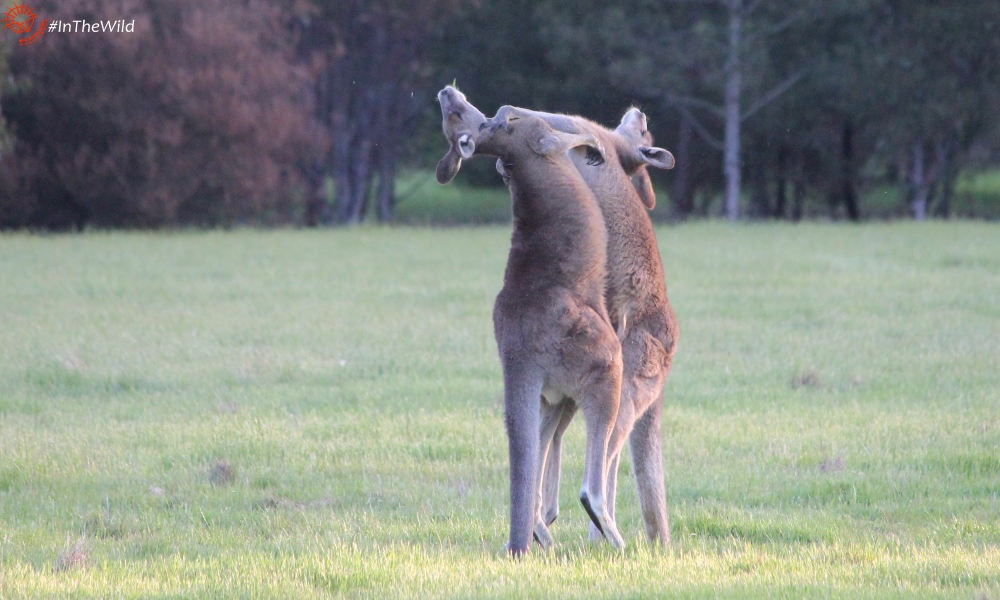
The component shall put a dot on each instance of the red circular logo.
(19, 19)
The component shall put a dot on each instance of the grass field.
(318, 414)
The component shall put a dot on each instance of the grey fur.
(554, 336)
(636, 299)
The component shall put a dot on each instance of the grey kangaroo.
(636, 299)
(555, 340)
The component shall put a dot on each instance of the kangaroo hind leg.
(647, 463)
(522, 398)
(548, 452)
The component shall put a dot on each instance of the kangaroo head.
(461, 123)
(541, 138)
(638, 153)
(633, 129)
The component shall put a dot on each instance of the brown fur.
(553, 333)
(636, 300)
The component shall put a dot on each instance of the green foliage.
(830, 429)
(423, 201)
(873, 81)
(978, 195)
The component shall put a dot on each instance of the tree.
(370, 91)
(747, 24)
(943, 59)
(197, 118)
(700, 57)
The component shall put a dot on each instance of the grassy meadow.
(310, 414)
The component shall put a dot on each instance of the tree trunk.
(343, 188)
(683, 198)
(799, 189)
(345, 133)
(947, 182)
(386, 194)
(731, 161)
(782, 175)
(759, 202)
(318, 206)
(918, 183)
(850, 195)
(362, 174)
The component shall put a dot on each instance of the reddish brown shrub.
(200, 116)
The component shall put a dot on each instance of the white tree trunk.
(731, 160)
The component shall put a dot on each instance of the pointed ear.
(466, 146)
(556, 142)
(656, 157)
(448, 166)
(644, 186)
(546, 145)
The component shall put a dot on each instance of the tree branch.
(691, 101)
(703, 133)
(750, 8)
(696, 1)
(776, 28)
(772, 95)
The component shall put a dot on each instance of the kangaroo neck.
(558, 234)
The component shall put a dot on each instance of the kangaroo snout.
(446, 98)
(461, 123)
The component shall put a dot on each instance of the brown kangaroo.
(555, 340)
(636, 299)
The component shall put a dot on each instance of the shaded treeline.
(787, 107)
(303, 111)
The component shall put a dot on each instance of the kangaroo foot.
(605, 526)
(515, 552)
(543, 536)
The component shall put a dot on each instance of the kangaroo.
(553, 333)
(636, 299)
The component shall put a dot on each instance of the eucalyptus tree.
(939, 70)
(372, 85)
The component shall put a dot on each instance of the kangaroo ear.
(656, 157)
(448, 166)
(546, 145)
(555, 142)
(644, 186)
(466, 146)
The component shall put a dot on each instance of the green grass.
(978, 195)
(831, 430)
(422, 201)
